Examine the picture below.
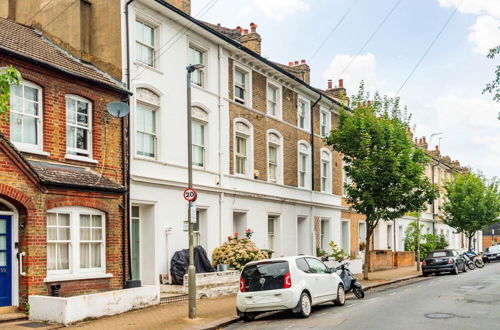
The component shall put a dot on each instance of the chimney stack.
(184, 5)
(252, 39)
(338, 93)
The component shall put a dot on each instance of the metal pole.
(191, 268)
(418, 241)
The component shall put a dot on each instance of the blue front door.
(5, 261)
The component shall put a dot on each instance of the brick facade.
(23, 188)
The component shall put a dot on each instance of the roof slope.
(27, 42)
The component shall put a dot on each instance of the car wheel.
(305, 305)
(340, 296)
(465, 269)
(249, 317)
(425, 274)
(455, 270)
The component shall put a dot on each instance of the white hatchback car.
(295, 283)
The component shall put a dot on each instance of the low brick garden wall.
(404, 259)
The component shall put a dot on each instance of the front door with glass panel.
(135, 243)
(5, 261)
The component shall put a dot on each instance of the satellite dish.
(118, 109)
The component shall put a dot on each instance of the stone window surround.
(304, 148)
(326, 155)
(244, 128)
(307, 118)
(275, 138)
(247, 102)
(279, 98)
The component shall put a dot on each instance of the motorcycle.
(468, 261)
(350, 282)
(478, 261)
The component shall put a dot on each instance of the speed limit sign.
(190, 194)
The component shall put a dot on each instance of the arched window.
(78, 126)
(304, 165)
(199, 131)
(147, 106)
(76, 241)
(243, 147)
(26, 116)
(326, 171)
(274, 156)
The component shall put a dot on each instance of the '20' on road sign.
(190, 194)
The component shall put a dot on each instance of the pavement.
(212, 313)
(468, 300)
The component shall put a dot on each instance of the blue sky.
(444, 94)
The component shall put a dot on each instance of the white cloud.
(280, 9)
(470, 131)
(363, 68)
(485, 34)
(490, 7)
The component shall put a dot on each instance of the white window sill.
(72, 277)
(80, 158)
(142, 65)
(32, 151)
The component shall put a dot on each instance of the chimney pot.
(341, 83)
(240, 29)
(302, 61)
(296, 63)
(424, 138)
(245, 31)
(330, 84)
(437, 148)
(253, 27)
(290, 63)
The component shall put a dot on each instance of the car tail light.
(450, 261)
(242, 285)
(424, 263)
(287, 281)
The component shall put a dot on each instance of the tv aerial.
(118, 109)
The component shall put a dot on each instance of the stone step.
(26, 324)
(10, 317)
(8, 309)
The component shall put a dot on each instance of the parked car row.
(492, 254)
(450, 261)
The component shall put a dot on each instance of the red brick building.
(62, 185)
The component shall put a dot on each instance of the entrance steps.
(10, 314)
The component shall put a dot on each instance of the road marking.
(351, 305)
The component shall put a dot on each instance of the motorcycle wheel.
(479, 263)
(358, 292)
(471, 265)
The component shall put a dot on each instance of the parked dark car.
(492, 253)
(441, 261)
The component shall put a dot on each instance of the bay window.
(76, 242)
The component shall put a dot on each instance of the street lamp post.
(418, 241)
(191, 269)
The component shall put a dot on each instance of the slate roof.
(25, 41)
(57, 174)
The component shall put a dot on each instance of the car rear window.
(265, 276)
(438, 254)
(493, 249)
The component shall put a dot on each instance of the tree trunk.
(469, 237)
(366, 266)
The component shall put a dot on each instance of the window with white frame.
(147, 106)
(76, 239)
(240, 86)
(303, 114)
(346, 180)
(199, 126)
(78, 126)
(197, 56)
(304, 166)
(326, 167)
(325, 122)
(242, 148)
(271, 227)
(144, 43)
(26, 116)
(273, 100)
(274, 149)
(324, 234)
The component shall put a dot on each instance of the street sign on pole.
(192, 209)
(190, 194)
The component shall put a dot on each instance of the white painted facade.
(227, 203)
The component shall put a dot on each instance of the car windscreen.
(439, 254)
(265, 276)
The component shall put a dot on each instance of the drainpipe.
(219, 91)
(312, 141)
(126, 256)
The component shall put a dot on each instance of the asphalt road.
(466, 301)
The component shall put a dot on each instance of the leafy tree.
(494, 86)
(386, 169)
(8, 77)
(428, 242)
(472, 203)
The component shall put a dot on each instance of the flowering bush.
(237, 252)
